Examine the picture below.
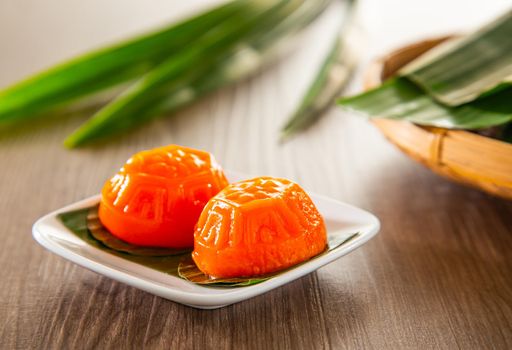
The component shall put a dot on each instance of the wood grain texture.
(439, 274)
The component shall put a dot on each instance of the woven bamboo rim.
(461, 156)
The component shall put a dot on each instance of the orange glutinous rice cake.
(257, 227)
(158, 195)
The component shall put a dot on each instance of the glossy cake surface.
(256, 227)
(158, 195)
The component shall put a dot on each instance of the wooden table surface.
(438, 275)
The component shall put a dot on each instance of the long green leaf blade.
(460, 72)
(257, 51)
(107, 67)
(150, 96)
(400, 99)
(329, 81)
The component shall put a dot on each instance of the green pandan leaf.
(330, 79)
(108, 67)
(211, 62)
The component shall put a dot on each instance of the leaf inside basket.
(400, 99)
(461, 70)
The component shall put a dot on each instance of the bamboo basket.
(459, 155)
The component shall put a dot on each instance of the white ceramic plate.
(340, 218)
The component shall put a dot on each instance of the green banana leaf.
(76, 222)
(108, 67)
(506, 133)
(188, 270)
(401, 99)
(475, 65)
(85, 225)
(101, 234)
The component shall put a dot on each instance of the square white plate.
(340, 218)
